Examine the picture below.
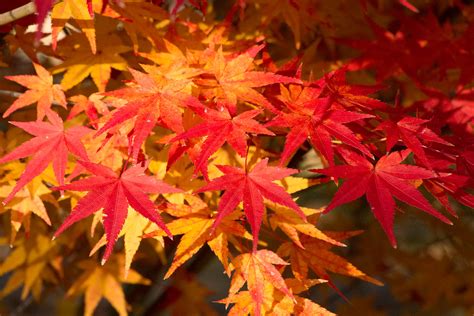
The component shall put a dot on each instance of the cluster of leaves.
(177, 122)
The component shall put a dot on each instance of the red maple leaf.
(150, 101)
(413, 132)
(50, 144)
(114, 193)
(311, 117)
(452, 182)
(457, 111)
(251, 187)
(349, 95)
(379, 183)
(220, 127)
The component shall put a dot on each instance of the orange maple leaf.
(234, 80)
(316, 255)
(41, 90)
(258, 271)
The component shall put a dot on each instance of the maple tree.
(140, 133)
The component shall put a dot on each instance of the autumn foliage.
(138, 135)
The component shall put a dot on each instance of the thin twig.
(11, 94)
(20, 12)
(16, 95)
(17, 13)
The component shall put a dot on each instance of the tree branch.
(21, 12)
(16, 95)
(18, 13)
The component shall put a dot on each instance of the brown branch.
(18, 13)
(11, 94)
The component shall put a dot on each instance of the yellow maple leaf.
(181, 176)
(97, 282)
(70, 9)
(32, 262)
(299, 16)
(26, 202)
(81, 62)
(138, 20)
(286, 306)
(134, 228)
(196, 228)
(258, 271)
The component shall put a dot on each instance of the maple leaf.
(305, 306)
(197, 231)
(133, 229)
(347, 95)
(41, 90)
(32, 262)
(220, 127)
(81, 62)
(453, 184)
(388, 177)
(258, 271)
(316, 255)
(51, 144)
(298, 15)
(316, 121)
(234, 81)
(251, 187)
(413, 132)
(291, 224)
(26, 202)
(92, 106)
(195, 224)
(114, 193)
(139, 20)
(78, 10)
(299, 305)
(191, 146)
(151, 98)
(22, 39)
(178, 175)
(97, 282)
(457, 110)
